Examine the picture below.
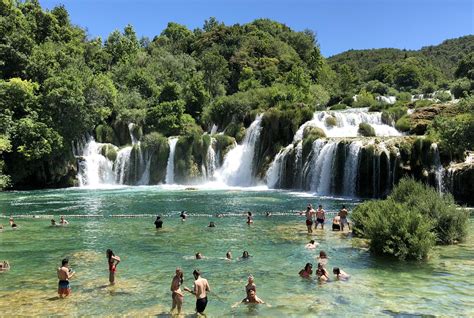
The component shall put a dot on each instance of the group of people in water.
(201, 286)
(319, 217)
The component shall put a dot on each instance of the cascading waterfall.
(211, 160)
(439, 170)
(94, 168)
(351, 168)
(276, 170)
(170, 166)
(322, 169)
(237, 168)
(347, 123)
(122, 165)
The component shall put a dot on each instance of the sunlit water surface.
(440, 287)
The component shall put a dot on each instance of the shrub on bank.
(338, 107)
(410, 221)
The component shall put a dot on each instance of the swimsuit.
(112, 267)
(309, 222)
(63, 287)
(336, 227)
(201, 304)
(321, 221)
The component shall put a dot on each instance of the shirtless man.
(64, 274)
(252, 298)
(250, 285)
(201, 287)
(320, 217)
(343, 215)
(63, 221)
(309, 218)
(176, 293)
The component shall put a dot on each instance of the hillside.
(445, 56)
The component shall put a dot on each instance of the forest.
(58, 85)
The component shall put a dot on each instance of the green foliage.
(404, 97)
(165, 117)
(366, 130)
(410, 221)
(466, 67)
(456, 133)
(364, 99)
(403, 124)
(310, 134)
(442, 96)
(462, 87)
(338, 107)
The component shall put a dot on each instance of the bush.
(403, 124)
(310, 134)
(404, 97)
(338, 107)
(364, 99)
(331, 121)
(443, 96)
(410, 221)
(366, 130)
(461, 87)
(393, 114)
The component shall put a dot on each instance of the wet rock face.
(460, 182)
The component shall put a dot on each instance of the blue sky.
(339, 24)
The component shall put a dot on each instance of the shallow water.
(378, 287)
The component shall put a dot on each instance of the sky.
(339, 25)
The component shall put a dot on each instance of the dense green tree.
(466, 67)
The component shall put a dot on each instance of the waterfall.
(94, 168)
(323, 169)
(351, 168)
(213, 129)
(211, 160)
(130, 131)
(170, 166)
(275, 172)
(122, 165)
(347, 123)
(298, 165)
(439, 171)
(237, 169)
(145, 178)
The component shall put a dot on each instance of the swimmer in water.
(307, 271)
(183, 216)
(198, 255)
(249, 218)
(320, 217)
(321, 273)
(211, 224)
(311, 245)
(322, 258)
(11, 221)
(228, 255)
(340, 274)
(252, 298)
(4, 266)
(113, 260)
(64, 274)
(63, 221)
(245, 255)
(343, 213)
(250, 285)
(267, 214)
(53, 222)
(158, 222)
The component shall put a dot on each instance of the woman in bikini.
(113, 261)
(176, 293)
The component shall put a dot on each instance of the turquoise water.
(440, 287)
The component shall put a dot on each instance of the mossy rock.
(366, 130)
(339, 107)
(156, 146)
(109, 151)
(310, 134)
(137, 132)
(403, 124)
(224, 143)
(331, 121)
(122, 132)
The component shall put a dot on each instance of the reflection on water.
(378, 287)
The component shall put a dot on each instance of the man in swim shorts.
(343, 214)
(320, 217)
(201, 287)
(309, 218)
(64, 274)
(336, 223)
